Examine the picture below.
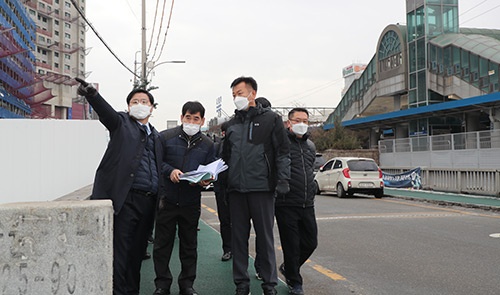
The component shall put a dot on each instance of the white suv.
(348, 175)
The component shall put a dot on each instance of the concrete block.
(52, 248)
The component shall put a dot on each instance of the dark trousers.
(258, 207)
(299, 238)
(224, 219)
(167, 221)
(130, 239)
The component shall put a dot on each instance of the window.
(56, 22)
(67, 56)
(67, 4)
(66, 67)
(67, 25)
(67, 35)
(328, 165)
(56, 33)
(56, 65)
(56, 54)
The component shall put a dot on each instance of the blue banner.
(410, 178)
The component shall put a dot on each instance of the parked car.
(349, 175)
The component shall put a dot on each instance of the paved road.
(394, 246)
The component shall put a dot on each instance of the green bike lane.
(213, 276)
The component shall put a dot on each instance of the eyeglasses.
(143, 101)
(297, 121)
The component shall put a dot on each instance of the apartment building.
(60, 54)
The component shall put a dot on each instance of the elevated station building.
(429, 98)
(427, 77)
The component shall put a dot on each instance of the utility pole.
(144, 81)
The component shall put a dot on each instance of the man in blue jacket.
(185, 148)
(129, 176)
(295, 210)
(256, 150)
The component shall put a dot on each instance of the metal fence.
(460, 163)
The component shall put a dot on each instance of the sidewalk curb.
(446, 199)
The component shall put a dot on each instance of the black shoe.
(226, 256)
(296, 290)
(147, 256)
(161, 291)
(243, 291)
(270, 292)
(188, 291)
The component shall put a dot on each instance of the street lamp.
(151, 65)
(149, 68)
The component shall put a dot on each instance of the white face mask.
(241, 103)
(190, 129)
(300, 128)
(140, 111)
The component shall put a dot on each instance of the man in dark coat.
(256, 150)
(185, 148)
(295, 211)
(129, 176)
(223, 204)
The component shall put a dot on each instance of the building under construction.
(42, 47)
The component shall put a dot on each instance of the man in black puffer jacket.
(257, 153)
(185, 148)
(295, 210)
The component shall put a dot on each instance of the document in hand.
(205, 172)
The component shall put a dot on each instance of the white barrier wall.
(42, 160)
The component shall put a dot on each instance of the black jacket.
(118, 166)
(302, 185)
(186, 154)
(256, 150)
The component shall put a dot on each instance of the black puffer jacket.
(256, 150)
(186, 154)
(302, 186)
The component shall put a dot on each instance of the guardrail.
(460, 162)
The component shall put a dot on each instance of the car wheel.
(318, 191)
(379, 194)
(340, 191)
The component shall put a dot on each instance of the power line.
(132, 10)
(154, 24)
(489, 10)
(166, 31)
(473, 7)
(100, 38)
(159, 30)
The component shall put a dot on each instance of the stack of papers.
(205, 172)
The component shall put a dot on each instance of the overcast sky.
(295, 49)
